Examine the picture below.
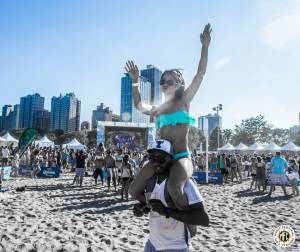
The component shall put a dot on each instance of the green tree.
(280, 136)
(213, 139)
(227, 135)
(253, 129)
(195, 137)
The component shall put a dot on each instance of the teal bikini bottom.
(180, 155)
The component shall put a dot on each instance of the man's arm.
(195, 215)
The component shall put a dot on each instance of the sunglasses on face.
(167, 82)
(157, 159)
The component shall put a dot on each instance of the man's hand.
(205, 36)
(158, 206)
(132, 70)
(140, 209)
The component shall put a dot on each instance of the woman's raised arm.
(193, 88)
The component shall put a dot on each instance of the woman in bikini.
(173, 121)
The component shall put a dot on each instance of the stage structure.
(133, 136)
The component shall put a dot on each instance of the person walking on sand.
(80, 167)
(126, 176)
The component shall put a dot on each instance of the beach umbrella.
(256, 147)
(227, 147)
(290, 147)
(45, 142)
(273, 147)
(241, 147)
(74, 144)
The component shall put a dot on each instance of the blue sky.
(59, 46)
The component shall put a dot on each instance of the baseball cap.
(162, 145)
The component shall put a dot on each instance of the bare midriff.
(177, 135)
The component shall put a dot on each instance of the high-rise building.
(10, 117)
(214, 121)
(65, 113)
(128, 111)
(102, 113)
(153, 75)
(28, 106)
(145, 91)
(42, 120)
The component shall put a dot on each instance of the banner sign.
(27, 137)
(46, 172)
(49, 172)
(5, 172)
(215, 178)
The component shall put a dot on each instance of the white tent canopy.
(2, 141)
(290, 147)
(272, 147)
(241, 147)
(74, 144)
(9, 139)
(45, 142)
(227, 147)
(256, 147)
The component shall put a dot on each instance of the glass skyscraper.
(28, 106)
(128, 111)
(214, 121)
(153, 75)
(65, 113)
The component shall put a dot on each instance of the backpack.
(187, 227)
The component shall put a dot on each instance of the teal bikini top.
(173, 119)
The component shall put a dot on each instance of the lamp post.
(218, 108)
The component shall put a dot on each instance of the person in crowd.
(118, 163)
(126, 176)
(223, 168)
(277, 177)
(99, 166)
(36, 164)
(233, 167)
(80, 167)
(5, 156)
(253, 173)
(173, 119)
(293, 176)
(171, 229)
(260, 174)
(110, 163)
(15, 164)
(213, 163)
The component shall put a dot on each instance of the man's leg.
(272, 188)
(284, 190)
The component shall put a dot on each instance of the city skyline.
(62, 47)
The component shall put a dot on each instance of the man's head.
(278, 153)
(160, 155)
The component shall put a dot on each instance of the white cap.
(162, 145)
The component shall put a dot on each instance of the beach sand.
(52, 215)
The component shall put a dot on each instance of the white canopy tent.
(273, 147)
(241, 147)
(2, 141)
(227, 147)
(45, 142)
(290, 147)
(9, 139)
(256, 147)
(74, 144)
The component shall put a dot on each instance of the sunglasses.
(161, 159)
(167, 82)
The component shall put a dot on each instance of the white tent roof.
(290, 147)
(45, 142)
(256, 147)
(241, 147)
(227, 147)
(273, 147)
(74, 144)
(2, 139)
(8, 138)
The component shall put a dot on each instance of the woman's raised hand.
(132, 70)
(205, 36)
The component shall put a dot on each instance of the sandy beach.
(52, 215)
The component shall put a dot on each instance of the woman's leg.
(180, 172)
